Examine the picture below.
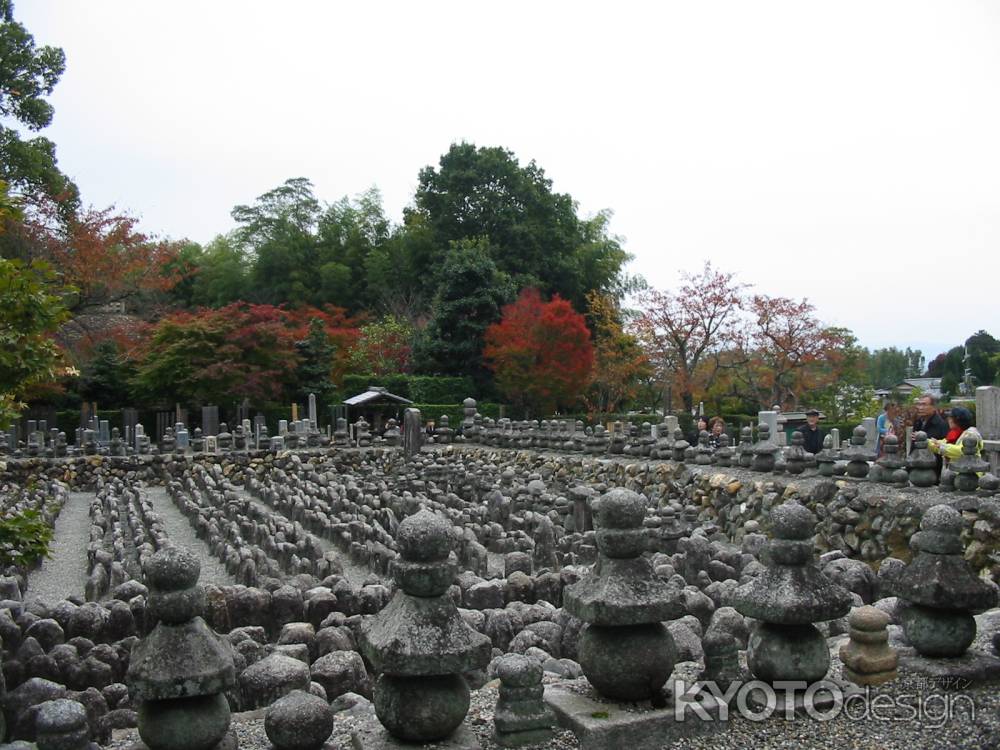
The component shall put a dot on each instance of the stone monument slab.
(604, 725)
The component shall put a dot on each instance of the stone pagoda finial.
(626, 652)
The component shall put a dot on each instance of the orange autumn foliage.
(540, 352)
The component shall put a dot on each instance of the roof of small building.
(375, 393)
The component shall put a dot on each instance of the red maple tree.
(540, 352)
(230, 353)
(100, 253)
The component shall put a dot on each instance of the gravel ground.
(64, 574)
(182, 534)
(967, 728)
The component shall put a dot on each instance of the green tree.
(316, 353)
(28, 74)
(400, 272)
(24, 538)
(9, 207)
(303, 254)
(888, 367)
(222, 274)
(278, 231)
(534, 234)
(31, 310)
(468, 300)
(106, 377)
(982, 349)
(349, 231)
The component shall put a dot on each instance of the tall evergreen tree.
(469, 299)
(316, 353)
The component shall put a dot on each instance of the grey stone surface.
(957, 672)
(602, 725)
(298, 721)
(271, 678)
(64, 572)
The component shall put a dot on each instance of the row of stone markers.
(421, 647)
(436, 510)
(665, 441)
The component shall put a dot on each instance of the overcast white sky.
(844, 151)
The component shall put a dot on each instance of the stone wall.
(865, 520)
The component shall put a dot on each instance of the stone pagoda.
(826, 458)
(921, 462)
(420, 643)
(626, 652)
(180, 672)
(765, 450)
(521, 716)
(940, 589)
(795, 454)
(969, 465)
(857, 454)
(787, 598)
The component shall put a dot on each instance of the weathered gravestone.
(413, 433)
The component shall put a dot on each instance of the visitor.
(812, 438)
(930, 422)
(960, 426)
(716, 431)
(700, 426)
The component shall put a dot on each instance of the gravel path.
(64, 574)
(182, 534)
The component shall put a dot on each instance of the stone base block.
(957, 672)
(371, 735)
(520, 739)
(601, 725)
